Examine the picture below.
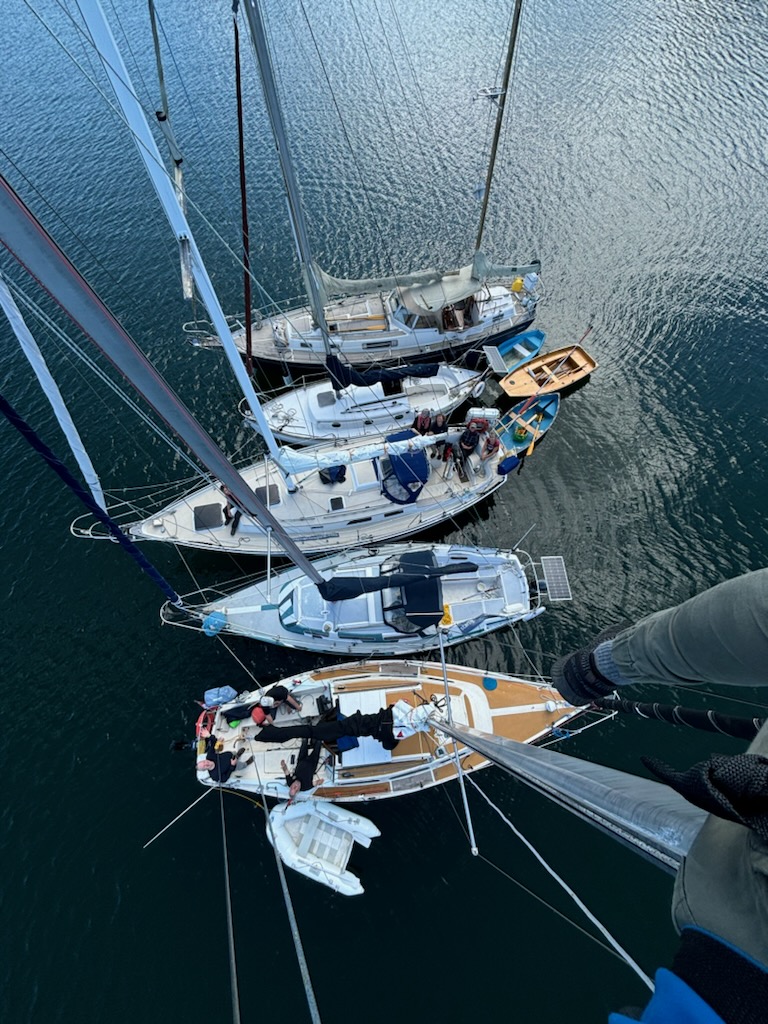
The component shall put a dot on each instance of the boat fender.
(214, 623)
(478, 389)
(507, 465)
(480, 412)
(533, 614)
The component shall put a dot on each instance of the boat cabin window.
(415, 321)
(268, 495)
(389, 343)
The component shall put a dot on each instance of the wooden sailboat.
(549, 372)
(408, 753)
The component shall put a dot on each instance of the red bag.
(258, 715)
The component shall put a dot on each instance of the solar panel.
(495, 359)
(556, 578)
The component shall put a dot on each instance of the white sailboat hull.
(287, 609)
(369, 333)
(315, 413)
(317, 516)
(495, 703)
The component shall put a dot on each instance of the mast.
(649, 817)
(502, 99)
(295, 208)
(28, 242)
(106, 47)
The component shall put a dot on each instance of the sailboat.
(398, 599)
(327, 503)
(367, 404)
(391, 318)
(401, 752)
(394, 319)
(391, 488)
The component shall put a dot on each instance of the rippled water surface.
(633, 164)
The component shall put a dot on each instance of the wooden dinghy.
(548, 373)
(526, 423)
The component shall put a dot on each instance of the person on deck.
(302, 778)
(490, 445)
(232, 513)
(219, 764)
(438, 425)
(279, 695)
(720, 902)
(469, 440)
(422, 422)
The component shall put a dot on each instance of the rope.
(530, 892)
(579, 903)
(230, 926)
(162, 830)
(297, 943)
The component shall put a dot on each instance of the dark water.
(634, 166)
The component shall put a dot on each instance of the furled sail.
(342, 375)
(648, 816)
(426, 291)
(37, 361)
(343, 588)
(404, 445)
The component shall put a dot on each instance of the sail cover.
(408, 471)
(342, 375)
(426, 291)
(344, 588)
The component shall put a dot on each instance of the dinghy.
(526, 423)
(316, 839)
(553, 371)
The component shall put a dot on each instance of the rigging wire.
(61, 335)
(91, 79)
(564, 885)
(234, 994)
(296, 936)
(530, 892)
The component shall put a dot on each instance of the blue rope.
(61, 470)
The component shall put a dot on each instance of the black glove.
(577, 677)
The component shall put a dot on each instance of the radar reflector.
(556, 578)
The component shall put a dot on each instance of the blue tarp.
(408, 472)
(342, 375)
